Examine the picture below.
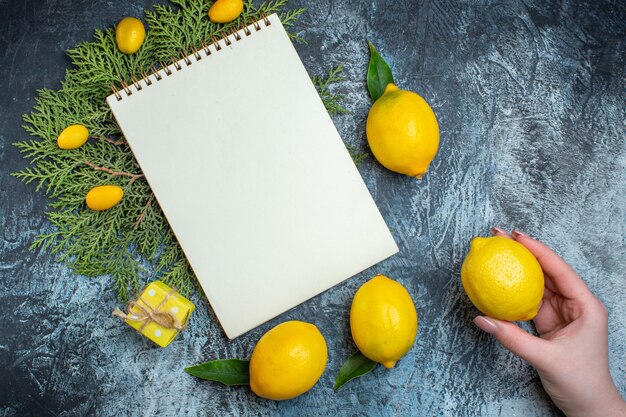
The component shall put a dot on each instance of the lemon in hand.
(287, 361)
(383, 320)
(503, 279)
(402, 132)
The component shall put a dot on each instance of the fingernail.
(485, 324)
(517, 233)
(495, 230)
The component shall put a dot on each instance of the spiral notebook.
(252, 175)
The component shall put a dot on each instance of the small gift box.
(160, 313)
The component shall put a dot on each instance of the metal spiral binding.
(138, 86)
(216, 43)
(146, 78)
(126, 89)
(176, 63)
(266, 20)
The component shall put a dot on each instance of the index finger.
(566, 281)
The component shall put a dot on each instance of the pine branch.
(330, 100)
(133, 177)
(114, 142)
(332, 103)
(357, 156)
(143, 212)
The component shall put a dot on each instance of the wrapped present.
(160, 313)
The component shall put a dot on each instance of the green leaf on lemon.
(378, 74)
(357, 365)
(227, 371)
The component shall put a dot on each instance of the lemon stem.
(390, 87)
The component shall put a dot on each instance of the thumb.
(528, 347)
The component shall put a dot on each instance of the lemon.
(224, 11)
(103, 197)
(287, 361)
(129, 35)
(502, 278)
(402, 132)
(73, 137)
(383, 320)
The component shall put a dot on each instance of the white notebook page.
(253, 177)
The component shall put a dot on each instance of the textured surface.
(530, 100)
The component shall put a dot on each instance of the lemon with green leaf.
(402, 129)
(383, 320)
(288, 360)
(402, 132)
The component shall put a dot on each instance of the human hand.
(571, 353)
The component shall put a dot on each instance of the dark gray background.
(530, 100)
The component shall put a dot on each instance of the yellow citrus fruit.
(224, 11)
(502, 278)
(287, 361)
(129, 35)
(402, 132)
(103, 197)
(73, 137)
(383, 320)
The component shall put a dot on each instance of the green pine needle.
(357, 156)
(132, 241)
(331, 101)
